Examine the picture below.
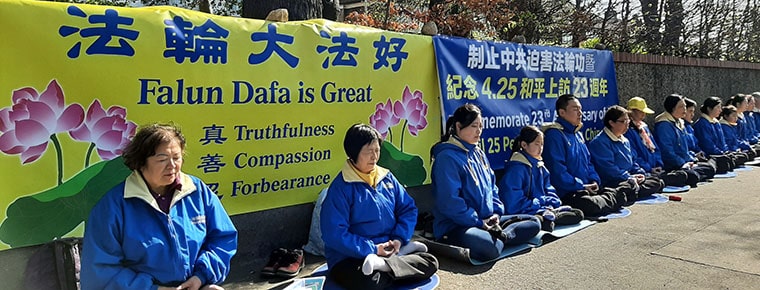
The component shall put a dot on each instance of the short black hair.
(727, 110)
(671, 102)
(562, 101)
(613, 114)
(357, 136)
(709, 104)
(689, 103)
(147, 139)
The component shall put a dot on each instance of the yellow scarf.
(370, 178)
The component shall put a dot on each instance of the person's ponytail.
(449, 129)
(516, 144)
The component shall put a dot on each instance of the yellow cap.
(639, 104)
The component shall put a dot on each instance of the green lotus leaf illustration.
(52, 213)
(408, 169)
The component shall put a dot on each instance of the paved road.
(710, 240)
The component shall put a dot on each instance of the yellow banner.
(264, 106)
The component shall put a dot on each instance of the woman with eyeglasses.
(160, 228)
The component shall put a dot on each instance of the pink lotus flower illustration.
(409, 169)
(108, 131)
(411, 108)
(35, 118)
(383, 118)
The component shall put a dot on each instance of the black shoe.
(570, 217)
(499, 234)
(546, 224)
(424, 227)
(274, 262)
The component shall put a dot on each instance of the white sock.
(412, 247)
(374, 263)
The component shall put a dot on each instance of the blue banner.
(516, 85)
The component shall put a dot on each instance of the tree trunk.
(204, 6)
(577, 31)
(625, 42)
(329, 11)
(651, 16)
(609, 15)
(673, 27)
(297, 9)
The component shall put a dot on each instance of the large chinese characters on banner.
(516, 85)
(264, 106)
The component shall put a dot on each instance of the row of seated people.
(735, 135)
(368, 218)
(553, 168)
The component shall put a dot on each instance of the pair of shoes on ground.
(284, 263)
(424, 227)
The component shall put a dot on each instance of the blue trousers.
(484, 246)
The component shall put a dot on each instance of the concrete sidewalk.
(707, 241)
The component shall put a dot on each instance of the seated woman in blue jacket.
(525, 187)
(741, 102)
(612, 157)
(159, 229)
(671, 137)
(644, 147)
(750, 115)
(709, 135)
(467, 210)
(710, 162)
(743, 130)
(368, 219)
(731, 132)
